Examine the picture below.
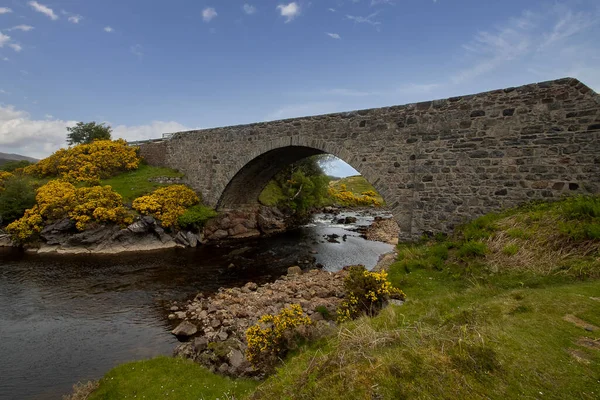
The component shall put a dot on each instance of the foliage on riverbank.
(166, 204)
(299, 188)
(59, 199)
(68, 185)
(358, 186)
(306, 188)
(88, 162)
(346, 198)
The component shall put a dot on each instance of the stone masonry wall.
(436, 163)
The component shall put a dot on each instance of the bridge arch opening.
(245, 187)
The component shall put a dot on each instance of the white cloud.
(376, 2)
(43, 9)
(4, 39)
(333, 35)
(208, 14)
(249, 9)
(332, 9)
(35, 138)
(5, 59)
(365, 20)
(21, 134)
(136, 50)
(154, 130)
(568, 24)
(24, 28)
(289, 11)
(108, 29)
(75, 18)
(5, 10)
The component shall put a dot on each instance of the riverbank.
(147, 234)
(506, 307)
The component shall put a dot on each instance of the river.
(65, 319)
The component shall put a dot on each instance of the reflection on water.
(69, 318)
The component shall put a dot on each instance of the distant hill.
(6, 157)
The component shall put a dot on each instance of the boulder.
(92, 236)
(295, 270)
(200, 344)
(138, 227)
(181, 238)
(186, 328)
(58, 232)
(239, 229)
(5, 240)
(235, 358)
(270, 220)
(192, 239)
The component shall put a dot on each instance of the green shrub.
(18, 195)
(10, 166)
(510, 249)
(472, 249)
(481, 228)
(273, 335)
(366, 293)
(581, 207)
(324, 312)
(518, 233)
(196, 216)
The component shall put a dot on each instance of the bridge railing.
(165, 136)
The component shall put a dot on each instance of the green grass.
(474, 326)
(134, 184)
(456, 338)
(168, 378)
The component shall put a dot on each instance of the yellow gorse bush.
(88, 162)
(267, 339)
(366, 292)
(4, 176)
(345, 197)
(59, 199)
(98, 204)
(167, 203)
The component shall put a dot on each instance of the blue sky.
(148, 67)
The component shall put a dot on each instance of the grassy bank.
(508, 307)
(133, 184)
(164, 377)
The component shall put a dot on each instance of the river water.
(65, 319)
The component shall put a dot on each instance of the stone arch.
(251, 177)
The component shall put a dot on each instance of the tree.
(87, 133)
(18, 195)
(12, 165)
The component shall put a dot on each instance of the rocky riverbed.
(214, 327)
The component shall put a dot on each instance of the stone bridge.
(436, 163)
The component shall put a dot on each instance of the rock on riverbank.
(383, 230)
(214, 327)
(144, 234)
